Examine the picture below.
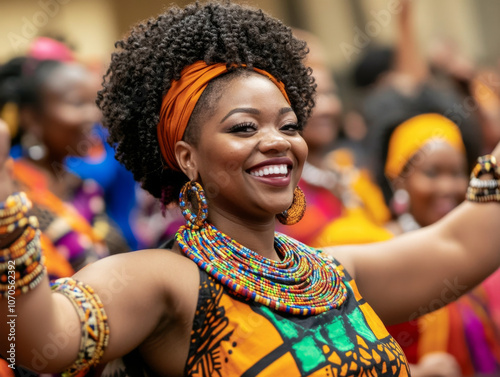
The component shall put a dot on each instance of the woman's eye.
(294, 127)
(431, 173)
(243, 128)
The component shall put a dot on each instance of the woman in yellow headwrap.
(427, 170)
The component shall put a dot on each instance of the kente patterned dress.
(233, 336)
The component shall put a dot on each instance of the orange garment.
(364, 192)
(5, 371)
(69, 241)
(232, 336)
(57, 265)
(353, 227)
(36, 187)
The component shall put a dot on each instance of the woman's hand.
(6, 181)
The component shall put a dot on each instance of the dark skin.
(436, 183)
(164, 285)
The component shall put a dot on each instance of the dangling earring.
(296, 211)
(400, 202)
(189, 190)
(33, 147)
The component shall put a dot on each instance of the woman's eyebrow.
(249, 110)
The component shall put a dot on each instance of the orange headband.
(180, 100)
(411, 135)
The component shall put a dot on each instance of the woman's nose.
(274, 140)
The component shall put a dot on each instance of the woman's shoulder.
(154, 259)
(153, 271)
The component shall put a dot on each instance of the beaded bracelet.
(94, 323)
(17, 247)
(30, 255)
(14, 204)
(22, 265)
(483, 191)
(481, 184)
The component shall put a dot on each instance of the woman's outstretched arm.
(423, 270)
(41, 330)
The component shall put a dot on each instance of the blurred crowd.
(395, 158)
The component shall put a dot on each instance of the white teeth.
(268, 170)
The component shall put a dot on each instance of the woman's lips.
(274, 175)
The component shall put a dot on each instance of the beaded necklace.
(302, 283)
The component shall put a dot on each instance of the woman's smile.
(274, 172)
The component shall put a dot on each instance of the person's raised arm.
(423, 270)
(42, 330)
(408, 60)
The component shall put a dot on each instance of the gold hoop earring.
(189, 190)
(296, 211)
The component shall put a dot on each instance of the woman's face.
(250, 152)
(436, 182)
(68, 111)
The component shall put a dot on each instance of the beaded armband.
(21, 263)
(484, 190)
(94, 324)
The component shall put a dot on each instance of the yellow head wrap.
(410, 136)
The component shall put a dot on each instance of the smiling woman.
(254, 129)
(231, 297)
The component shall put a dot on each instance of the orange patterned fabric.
(180, 101)
(235, 337)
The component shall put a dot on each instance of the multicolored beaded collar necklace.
(302, 283)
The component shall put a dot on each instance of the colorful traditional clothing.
(75, 230)
(465, 329)
(232, 336)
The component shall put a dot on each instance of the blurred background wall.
(345, 26)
